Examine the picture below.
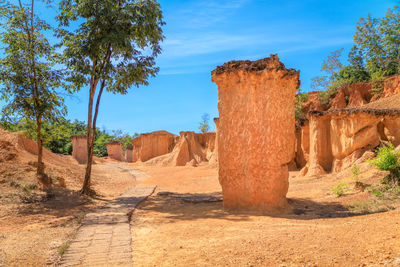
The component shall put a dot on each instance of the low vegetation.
(387, 159)
(340, 189)
(298, 106)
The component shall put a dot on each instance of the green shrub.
(340, 189)
(356, 172)
(298, 105)
(387, 159)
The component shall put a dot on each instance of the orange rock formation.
(114, 150)
(129, 153)
(151, 145)
(190, 149)
(79, 148)
(338, 138)
(256, 133)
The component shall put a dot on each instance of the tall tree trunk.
(90, 140)
(40, 165)
(86, 182)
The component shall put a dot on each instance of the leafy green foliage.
(30, 82)
(374, 56)
(387, 159)
(28, 75)
(340, 189)
(114, 46)
(125, 33)
(329, 84)
(298, 105)
(204, 123)
(356, 172)
(378, 39)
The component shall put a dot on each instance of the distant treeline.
(57, 135)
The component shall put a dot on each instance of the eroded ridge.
(104, 238)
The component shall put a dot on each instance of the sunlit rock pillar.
(128, 153)
(320, 158)
(79, 148)
(256, 132)
(136, 149)
(114, 150)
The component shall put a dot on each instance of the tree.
(378, 40)
(28, 76)
(113, 47)
(328, 84)
(204, 123)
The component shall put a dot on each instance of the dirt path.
(104, 237)
(168, 231)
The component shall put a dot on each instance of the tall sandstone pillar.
(256, 132)
(114, 150)
(79, 148)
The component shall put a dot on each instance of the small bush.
(340, 189)
(64, 247)
(387, 159)
(356, 172)
(298, 105)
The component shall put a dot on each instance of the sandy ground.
(35, 226)
(322, 231)
(169, 232)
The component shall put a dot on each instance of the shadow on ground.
(209, 206)
(58, 202)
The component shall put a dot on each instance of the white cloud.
(203, 14)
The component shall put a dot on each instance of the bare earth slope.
(35, 225)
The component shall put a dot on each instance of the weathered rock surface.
(79, 148)
(155, 144)
(338, 138)
(190, 147)
(129, 153)
(256, 132)
(151, 145)
(114, 150)
(391, 86)
(320, 159)
(351, 96)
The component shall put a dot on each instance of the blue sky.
(203, 34)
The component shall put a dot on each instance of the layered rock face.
(114, 150)
(256, 132)
(391, 86)
(151, 145)
(338, 138)
(191, 148)
(135, 149)
(79, 148)
(155, 144)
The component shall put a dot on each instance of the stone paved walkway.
(104, 239)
